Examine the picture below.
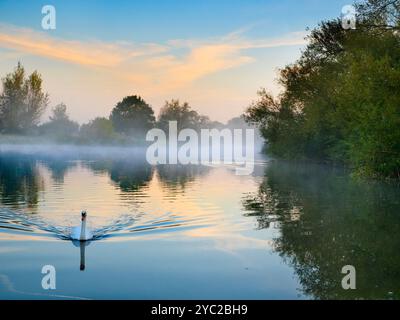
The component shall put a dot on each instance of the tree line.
(341, 99)
(23, 102)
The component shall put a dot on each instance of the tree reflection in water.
(328, 220)
(20, 181)
(176, 177)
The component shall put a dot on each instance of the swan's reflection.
(82, 245)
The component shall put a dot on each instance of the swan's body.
(81, 233)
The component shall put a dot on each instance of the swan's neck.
(83, 230)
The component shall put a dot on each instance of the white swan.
(81, 233)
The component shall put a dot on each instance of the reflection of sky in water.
(172, 232)
(206, 205)
(181, 234)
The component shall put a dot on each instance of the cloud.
(91, 53)
(200, 61)
(205, 58)
(172, 65)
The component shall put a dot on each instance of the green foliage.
(132, 116)
(237, 123)
(341, 99)
(59, 113)
(99, 130)
(60, 126)
(22, 101)
(183, 114)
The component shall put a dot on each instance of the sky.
(215, 55)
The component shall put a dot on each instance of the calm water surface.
(198, 232)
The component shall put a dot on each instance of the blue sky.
(215, 54)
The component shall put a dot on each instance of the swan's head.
(83, 214)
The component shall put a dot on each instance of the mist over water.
(47, 186)
(179, 231)
(54, 183)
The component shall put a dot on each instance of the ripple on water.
(21, 224)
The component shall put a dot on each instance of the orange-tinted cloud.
(145, 64)
(92, 53)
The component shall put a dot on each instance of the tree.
(60, 125)
(381, 14)
(98, 130)
(183, 114)
(59, 113)
(278, 124)
(237, 123)
(22, 101)
(341, 99)
(132, 116)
